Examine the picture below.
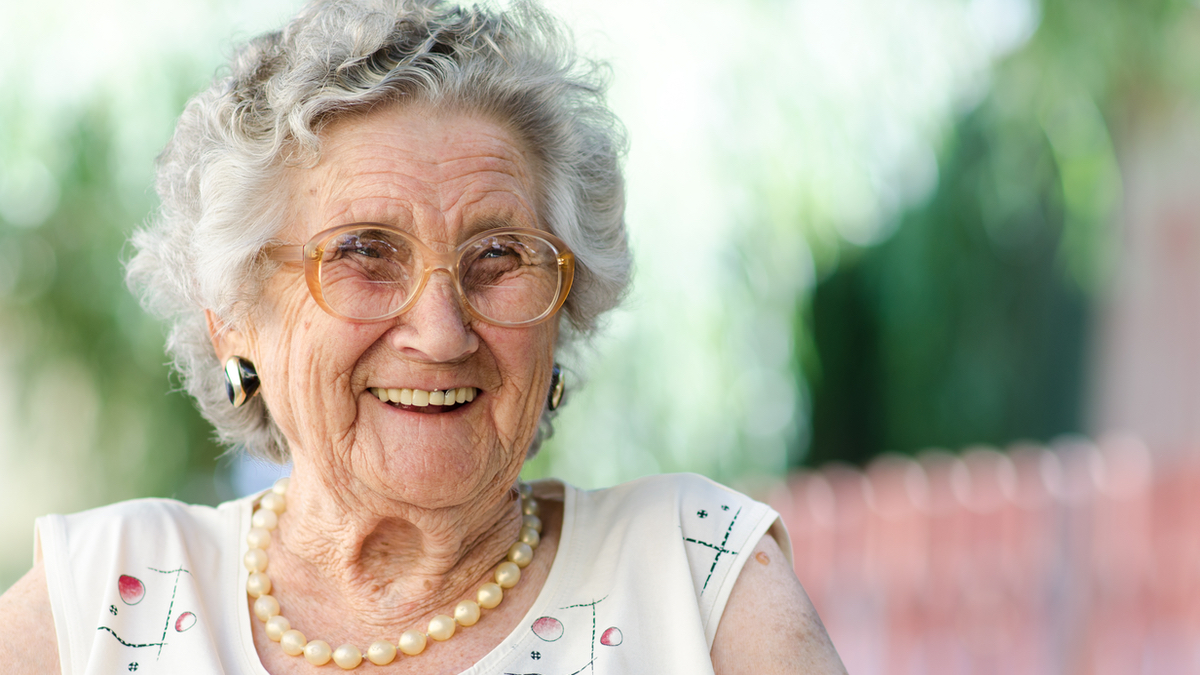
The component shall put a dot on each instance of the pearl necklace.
(381, 652)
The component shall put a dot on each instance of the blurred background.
(925, 274)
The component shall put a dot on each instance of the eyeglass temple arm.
(286, 253)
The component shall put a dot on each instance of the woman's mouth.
(422, 401)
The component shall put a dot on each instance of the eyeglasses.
(366, 272)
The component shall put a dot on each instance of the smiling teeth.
(422, 398)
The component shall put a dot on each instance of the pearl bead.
(489, 595)
(412, 642)
(277, 626)
(280, 487)
(258, 584)
(466, 613)
(507, 574)
(530, 508)
(520, 553)
(274, 502)
(258, 537)
(381, 652)
(265, 518)
(293, 642)
(525, 489)
(441, 628)
(265, 607)
(318, 652)
(256, 560)
(347, 657)
(530, 536)
(532, 522)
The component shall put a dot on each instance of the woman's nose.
(436, 328)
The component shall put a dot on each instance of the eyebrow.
(486, 223)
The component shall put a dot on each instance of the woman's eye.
(367, 249)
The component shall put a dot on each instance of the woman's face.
(441, 177)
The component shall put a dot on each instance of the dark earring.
(241, 380)
(557, 386)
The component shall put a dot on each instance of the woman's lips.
(422, 401)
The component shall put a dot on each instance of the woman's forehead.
(415, 168)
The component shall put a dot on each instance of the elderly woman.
(376, 233)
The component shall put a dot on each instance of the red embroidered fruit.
(612, 637)
(548, 628)
(132, 591)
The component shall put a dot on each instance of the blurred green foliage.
(971, 323)
(961, 328)
(67, 303)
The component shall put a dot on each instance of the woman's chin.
(442, 456)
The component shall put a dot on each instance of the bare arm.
(28, 645)
(769, 624)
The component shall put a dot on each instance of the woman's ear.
(227, 341)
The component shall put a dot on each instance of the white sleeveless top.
(638, 585)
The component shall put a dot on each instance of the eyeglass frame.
(311, 253)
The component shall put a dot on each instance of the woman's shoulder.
(136, 519)
(80, 549)
(697, 533)
(685, 515)
(116, 574)
(672, 492)
(152, 507)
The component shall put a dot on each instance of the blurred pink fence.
(1078, 558)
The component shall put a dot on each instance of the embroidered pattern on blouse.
(550, 629)
(718, 549)
(132, 591)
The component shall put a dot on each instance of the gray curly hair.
(220, 177)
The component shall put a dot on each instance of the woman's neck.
(346, 559)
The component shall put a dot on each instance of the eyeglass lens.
(370, 273)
